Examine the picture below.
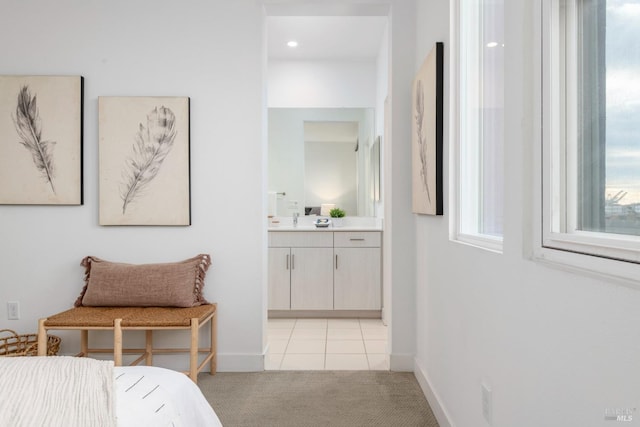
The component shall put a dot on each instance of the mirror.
(321, 156)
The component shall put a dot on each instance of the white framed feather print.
(41, 140)
(144, 161)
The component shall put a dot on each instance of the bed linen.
(56, 391)
(152, 396)
(77, 392)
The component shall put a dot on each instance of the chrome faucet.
(295, 218)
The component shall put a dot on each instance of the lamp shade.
(325, 208)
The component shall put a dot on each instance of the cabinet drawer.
(356, 239)
(300, 239)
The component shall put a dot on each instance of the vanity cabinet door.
(357, 279)
(279, 278)
(311, 279)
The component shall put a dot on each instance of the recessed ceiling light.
(492, 44)
(292, 43)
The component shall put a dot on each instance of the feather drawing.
(422, 141)
(152, 144)
(27, 123)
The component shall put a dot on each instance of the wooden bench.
(148, 319)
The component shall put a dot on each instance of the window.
(591, 127)
(480, 126)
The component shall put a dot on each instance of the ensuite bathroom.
(326, 133)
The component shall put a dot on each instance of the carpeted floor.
(313, 398)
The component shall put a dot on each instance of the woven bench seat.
(131, 316)
(148, 319)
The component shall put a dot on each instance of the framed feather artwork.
(41, 140)
(427, 134)
(144, 161)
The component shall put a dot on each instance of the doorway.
(319, 62)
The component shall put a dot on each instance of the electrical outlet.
(13, 310)
(487, 404)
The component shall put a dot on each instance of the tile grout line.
(326, 339)
(364, 345)
(284, 353)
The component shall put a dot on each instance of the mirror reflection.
(322, 156)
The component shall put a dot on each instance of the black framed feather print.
(144, 160)
(41, 140)
(427, 134)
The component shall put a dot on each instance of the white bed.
(151, 396)
(44, 391)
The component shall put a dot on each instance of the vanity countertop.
(321, 229)
(349, 224)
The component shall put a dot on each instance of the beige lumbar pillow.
(112, 284)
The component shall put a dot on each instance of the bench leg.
(193, 351)
(84, 343)
(214, 341)
(42, 338)
(117, 342)
(149, 347)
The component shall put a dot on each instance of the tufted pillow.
(112, 284)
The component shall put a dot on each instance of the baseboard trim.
(287, 314)
(240, 362)
(444, 420)
(401, 362)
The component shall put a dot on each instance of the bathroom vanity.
(330, 272)
(320, 157)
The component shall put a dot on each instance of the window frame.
(614, 256)
(461, 196)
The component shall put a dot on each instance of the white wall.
(383, 130)
(209, 51)
(399, 262)
(318, 83)
(330, 174)
(326, 84)
(557, 348)
(382, 80)
(366, 138)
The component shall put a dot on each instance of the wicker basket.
(12, 344)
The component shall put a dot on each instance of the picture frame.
(144, 153)
(41, 131)
(427, 134)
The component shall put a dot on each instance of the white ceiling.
(325, 37)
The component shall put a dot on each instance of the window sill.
(491, 244)
(620, 272)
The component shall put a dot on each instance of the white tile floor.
(327, 344)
